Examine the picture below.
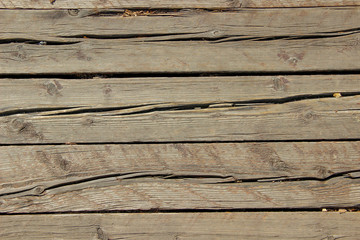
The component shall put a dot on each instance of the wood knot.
(308, 116)
(234, 3)
(107, 90)
(323, 172)
(101, 235)
(291, 58)
(73, 12)
(25, 128)
(53, 88)
(62, 163)
(38, 190)
(20, 53)
(280, 83)
(88, 121)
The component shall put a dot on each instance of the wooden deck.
(194, 119)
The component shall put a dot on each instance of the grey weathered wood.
(209, 4)
(148, 190)
(25, 167)
(209, 42)
(241, 225)
(325, 118)
(98, 4)
(65, 26)
(18, 94)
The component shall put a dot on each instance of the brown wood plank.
(25, 167)
(209, 4)
(244, 41)
(243, 225)
(149, 191)
(324, 118)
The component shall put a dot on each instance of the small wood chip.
(342, 210)
(337, 95)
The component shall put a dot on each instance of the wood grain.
(69, 26)
(208, 4)
(317, 119)
(153, 191)
(25, 167)
(53, 93)
(260, 225)
(192, 42)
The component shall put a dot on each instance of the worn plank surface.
(324, 118)
(208, 4)
(259, 40)
(25, 167)
(69, 26)
(179, 176)
(54, 93)
(265, 225)
(148, 191)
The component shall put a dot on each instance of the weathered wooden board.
(246, 41)
(317, 119)
(51, 93)
(149, 191)
(208, 4)
(25, 167)
(242, 225)
(71, 26)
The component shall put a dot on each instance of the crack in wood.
(202, 178)
(147, 108)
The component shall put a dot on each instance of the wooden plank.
(241, 225)
(63, 25)
(208, 4)
(317, 119)
(22, 94)
(26, 167)
(180, 42)
(178, 176)
(130, 4)
(153, 191)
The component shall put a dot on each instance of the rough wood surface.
(208, 4)
(178, 176)
(259, 40)
(317, 119)
(152, 191)
(265, 225)
(25, 167)
(53, 93)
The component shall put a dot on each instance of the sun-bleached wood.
(274, 40)
(99, 92)
(208, 4)
(317, 119)
(149, 191)
(231, 225)
(25, 167)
